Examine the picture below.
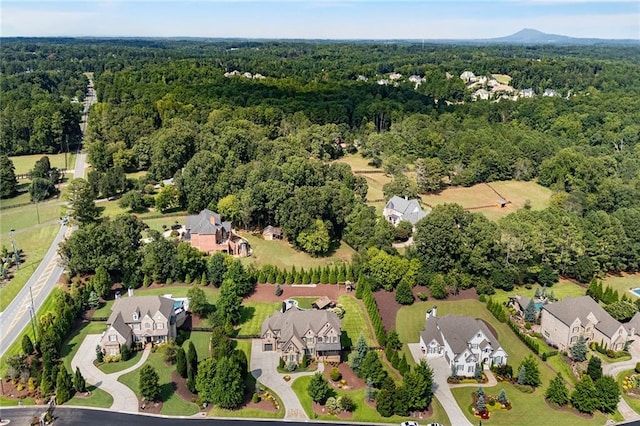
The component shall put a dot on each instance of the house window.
(147, 325)
(319, 339)
(575, 329)
(588, 329)
(471, 369)
(479, 335)
(160, 325)
(268, 347)
(112, 351)
(335, 339)
(136, 326)
(309, 339)
(574, 339)
(113, 338)
(460, 368)
(497, 360)
(135, 316)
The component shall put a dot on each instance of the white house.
(463, 341)
(398, 209)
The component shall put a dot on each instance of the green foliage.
(64, 385)
(607, 394)
(404, 295)
(502, 397)
(79, 383)
(7, 177)
(357, 355)
(101, 282)
(372, 369)
(532, 372)
(530, 311)
(594, 368)
(335, 374)
(315, 240)
(374, 315)
(205, 379)
(99, 354)
(82, 208)
(527, 340)
(27, 345)
(557, 392)
(228, 388)
(584, 396)
(318, 388)
(198, 303)
(622, 310)
(498, 311)
(579, 350)
(181, 363)
(384, 403)
(438, 287)
(149, 383)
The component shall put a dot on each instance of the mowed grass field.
(502, 78)
(623, 283)
(280, 253)
(24, 163)
(481, 195)
(24, 217)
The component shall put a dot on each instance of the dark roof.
(458, 331)
(120, 326)
(126, 306)
(571, 308)
(634, 323)
(409, 210)
(206, 222)
(323, 302)
(322, 346)
(296, 322)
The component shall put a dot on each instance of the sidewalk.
(124, 399)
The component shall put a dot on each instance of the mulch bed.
(10, 391)
(266, 292)
(149, 407)
(353, 381)
(180, 387)
(321, 410)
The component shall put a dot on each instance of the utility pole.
(33, 306)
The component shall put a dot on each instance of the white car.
(409, 423)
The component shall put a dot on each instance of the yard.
(355, 322)
(281, 254)
(623, 283)
(24, 163)
(634, 403)
(253, 315)
(73, 342)
(98, 398)
(562, 289)
(23, 217)
(363, 411)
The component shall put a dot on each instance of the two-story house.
(562, 324)
(296, 332)
(208, 233)
(143, 319)
(463, 341)
(398, 209)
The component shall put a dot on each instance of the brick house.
(208, 233)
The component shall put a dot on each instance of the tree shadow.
(345, 340)
(246, 314)
(166, 390)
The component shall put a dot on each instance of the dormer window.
(136, 316)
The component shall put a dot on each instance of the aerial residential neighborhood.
(355, 213)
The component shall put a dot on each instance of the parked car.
(435, 424)
(409, 423)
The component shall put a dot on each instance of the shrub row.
(322, 275)
(374, 315)
(497, 310)
(527, 340)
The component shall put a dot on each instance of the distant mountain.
(531, 36)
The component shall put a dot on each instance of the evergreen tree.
(7, 177)
(607, 394)
(349, 273)
(324, 276)
(477, 374)
(384, 403)
(315, 277)
(359, 354)
(228, 388)
(372, 368)
(557, 392)
(480, 404)
(403, 365)
(99, 354)
(149, 383)
(530, 311)
(64, 385)
(522, 375)
(27, 345)
(318, 388)
(579, 350)
(584, 396)
(532, 371)
(360, 286)
(181, 363)
(401, 402)
(502, 397)
(341, 273)
(78, 381)
(333, 278)
(594, 368)
(192, 359)
(404, 295)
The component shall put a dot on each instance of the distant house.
(323, 302)
(481, 94)
(272, 233)
(395, 76)
(462, 341)
(527, 93)
(209, 234)
(550, 93)
(398, 209)
(141, 319)
(296, 332)
(562, 324)
(468, 77)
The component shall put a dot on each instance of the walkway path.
(441, 371)
(124, 399)
(615, 368)
(263, 368)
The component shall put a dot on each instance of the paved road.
(263, 368)
(124, 399)
(613, 369)
(17, 316)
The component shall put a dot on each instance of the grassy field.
(22, 198)
(73, 342)
(175, 290)
(305, 302)
(517, 192)
(35, 242)
(24, 217)
(172, 405)
(6, 402)
(623, 283)
(562, 289)
(253, 315)
(634, 403)
(168, 221)
(98, 398)
(114, 367)
(355, 321)
(201, 341)
(24, 163)
(363, 412)
(280, 253)
(409, 323)
(502, 78)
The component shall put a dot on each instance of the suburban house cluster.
(562, 324)
(489, 88)
(142, 319)
(208, 233)
(296, 332)
(463, 341)
(400, 209)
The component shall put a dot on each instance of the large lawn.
(98, 398)
(172, 405)
(114, 367)
(23, 217)
(623, 283)
(35, 243)
(528, 409)
(253, 315)
(174, 290)
(355, 321)
(280, 253)
(481, 195)
(24, 163)
(363, 412)
(201, 341)
(560, 290)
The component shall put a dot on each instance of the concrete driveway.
(264, 369)
(615, 368)
(124, 400)
(441, 371)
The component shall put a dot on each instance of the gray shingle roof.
(410, 210)
(126, 306)
(458, 331)
(294, 323)
(571, 308)
(120, 326)
(634, 323)
(206, 222)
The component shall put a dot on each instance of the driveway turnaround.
(264, 369)
(124, 400)
(615, 368)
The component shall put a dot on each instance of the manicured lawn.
(98, 398)
(248, 412)
(623, 284)
(22, 198)
(245, 346)
(634, 403)
(363, 412)
(24, 217)
(528, 409)
(176, 290)
(355, 321)
(280, 253)
(70, 347)
(201, 341)
(24, 163)
(560, 290)
(253, 315)
(172, 405)
(357, 162)
(305, 302)
(502, 78)
(156, 223)
(34, 242)
(113, 367)
(6, 402)
(481, 195)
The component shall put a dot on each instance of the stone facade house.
(141, 319)
(296, 332)
(462, 341)
(398, 209)
(562, 324)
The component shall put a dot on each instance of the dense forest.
(259, 147)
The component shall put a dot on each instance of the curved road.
(16, 316)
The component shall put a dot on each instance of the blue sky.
(351, 19)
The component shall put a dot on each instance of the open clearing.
(24, 163)
(623, 283)
(502, 78)
(483, 199)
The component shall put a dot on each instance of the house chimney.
(130, 291)
(434, 311)
(406, 198)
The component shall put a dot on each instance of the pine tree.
(149, 383)
(27, 345)
(349, 273)
(480, 404)
(607, 394)
(261, 277)
(181, 363)
(64, 385)
(532, 372)
(404, 295)
(502, 397)
(315, 277)
(341, 274)
(78, 381)
(359, 354)
(594, 369)
(530, 311)
(333, 278)
(522, 375)
(477, 374)
(384, 403)
(557, 392)
(324, 276)
(318, 388)
(579, 350)
(584, 396)
(360, 286)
